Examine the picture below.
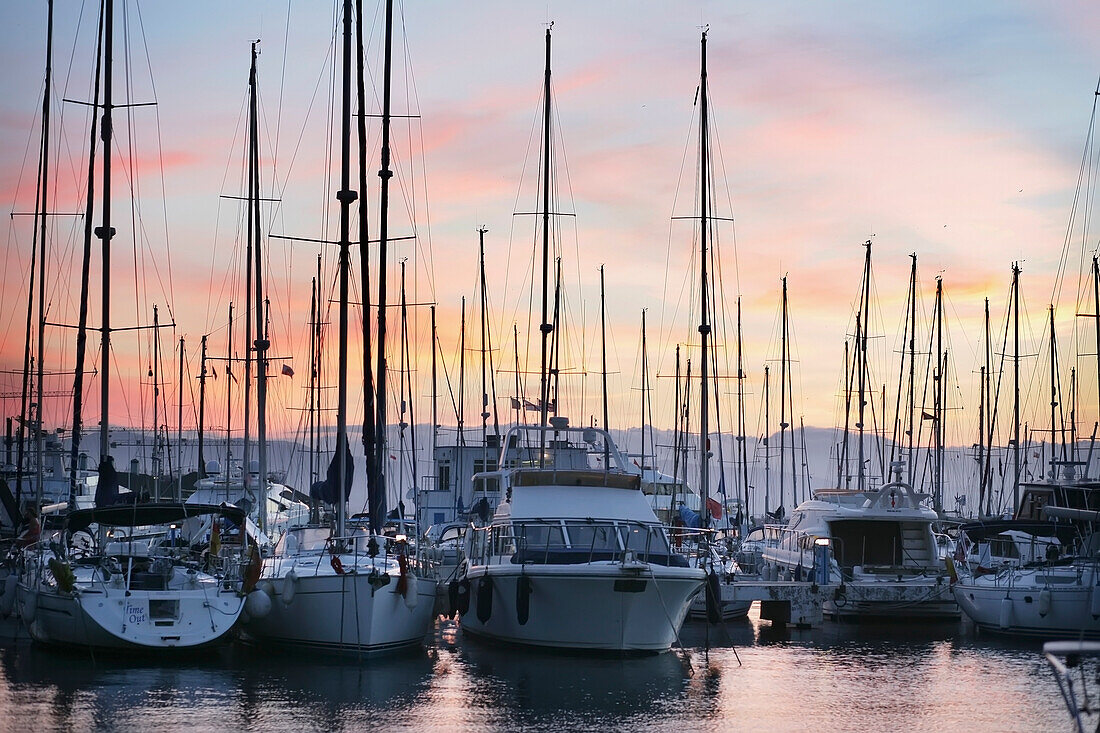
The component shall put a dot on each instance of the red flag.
(714, 508)
(287, 370)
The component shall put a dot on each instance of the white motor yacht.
(574, 557)
(879, 549)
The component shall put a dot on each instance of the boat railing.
(378, 551)
(609, 541)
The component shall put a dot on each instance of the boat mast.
(546, 328)
(179, 430)
(1015, 385)
(484, 338)
(42, 214)
(85, 277)
(1096, 326)
(229, 394)
(704, 325)
(912, 361)
(202, 408)
(378, 501)
(843, 475)
(261, 344)
(643, 391)
(370, 433)
(346, 196)
(154, 372)
(783, 398)
(1054, 398)
(862, 356)
(603, 372)
(741, 447)
(104, 232)
(435, 405)
(939, 377)
(767, 450)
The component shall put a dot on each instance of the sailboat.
(105, 587)
(272, 507)
(352, 590)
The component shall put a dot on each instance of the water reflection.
(739, 676)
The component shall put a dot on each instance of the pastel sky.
(952, 130)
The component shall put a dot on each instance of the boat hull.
(344, 614)
(141, 621)
(595, 607)
(1036, 603)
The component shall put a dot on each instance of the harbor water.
(743, 675)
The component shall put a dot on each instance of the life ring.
(337, 565)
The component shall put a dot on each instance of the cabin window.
(861, 542)
(540, 536)
(641, 538)
(443, 478)
(592, 536)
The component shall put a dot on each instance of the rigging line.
(163, 188)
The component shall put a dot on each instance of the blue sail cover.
(106, 491)
(690, 518)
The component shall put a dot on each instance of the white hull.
(108, 618)
(343, 613)
(596, 607)
(1057, 602)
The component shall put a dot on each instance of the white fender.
(257, 604)
(30, 605)
(7, 595)
(267, 587)
(1005, 619)
(410, 592)
(1044, 601)
(290, 587)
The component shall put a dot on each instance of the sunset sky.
(952, 130)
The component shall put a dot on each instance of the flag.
(516, 404)
(528, 405)
(287, 370)
(927, 416)
(714, 508)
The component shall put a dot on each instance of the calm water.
(839, 678)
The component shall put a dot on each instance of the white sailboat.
(354, 590)
(131, 594)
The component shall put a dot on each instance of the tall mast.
(85, 276)
(462, 375)
(104, 232)
(1053, 395)
(179, 430)
(378, 501)
(985, 417)
(645, 386)
(42, 214)
(862, 356)
(202, 409)
(484, 345)
(912, 362)
(155, 374)
(1096, 326)
(371, 470)
(435, 400)
(783, 399)
(603, 365)
(741, 447)
(229, 394)
(843, 474)
(704, 325)
(1015, 384)
(767, 450)
(346, 196)
(940, 378)
(546, 327)
(261, 344)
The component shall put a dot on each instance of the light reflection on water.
(841, 677)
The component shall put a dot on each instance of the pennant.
(287, 370)
(516, 404)
(714, 508)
